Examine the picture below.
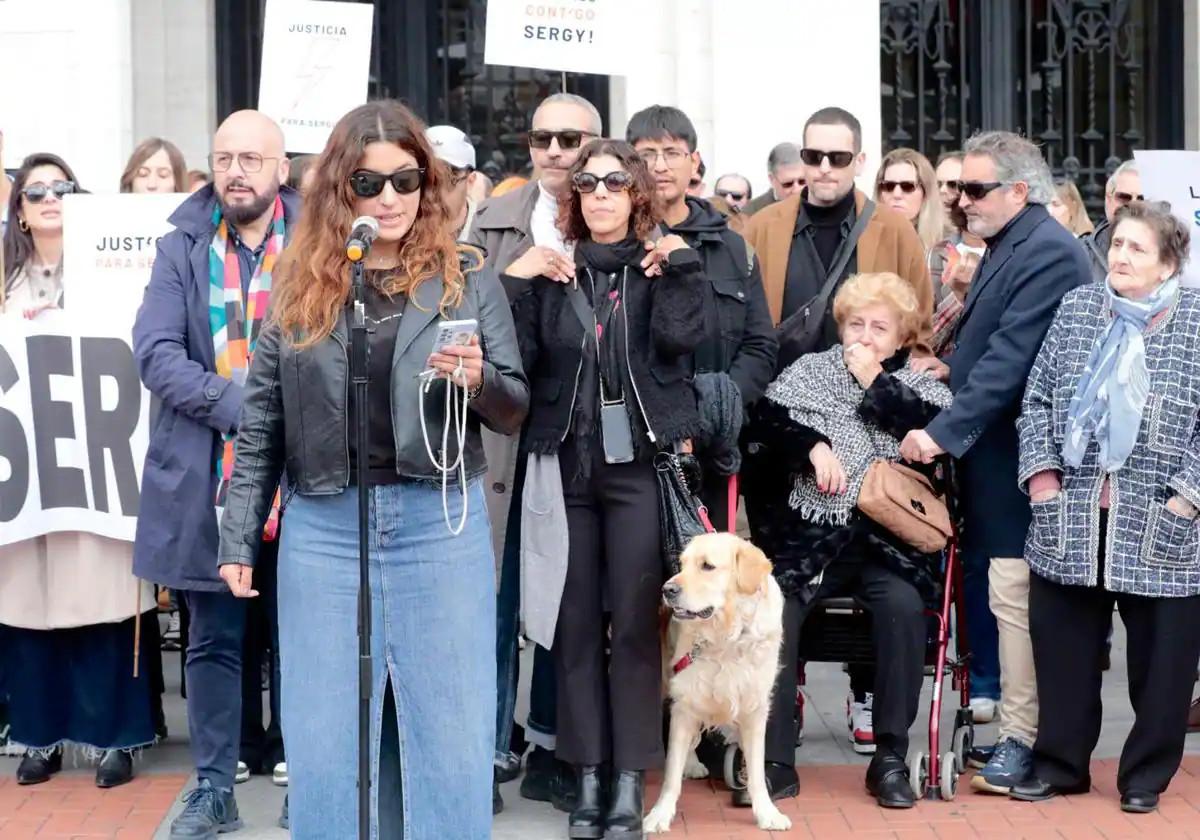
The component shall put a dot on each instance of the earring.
(22, 224)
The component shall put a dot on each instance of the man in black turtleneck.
(740, 339)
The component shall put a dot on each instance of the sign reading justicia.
(581, 36)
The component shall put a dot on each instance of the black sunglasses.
(37, 193)
(952, 185)
(567, 139)
(586, 182)
(787, 185)
(838, 160)
(906, 187)
(736, 196)
(367, 184)
(458, 174)
(1125, 197)
(976, 190)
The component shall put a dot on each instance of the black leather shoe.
(587, 819)
(1139, 802)
(782, 783)
(624, 818)
(887, 780)
(115, 769)
(564, 792)
(508, 769)
(1036, 790)
(34, 769)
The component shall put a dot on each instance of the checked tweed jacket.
(1149, 550)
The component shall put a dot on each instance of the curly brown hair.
(314, 276)
(644, 213)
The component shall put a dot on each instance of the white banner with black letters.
(74, 417)
(1173, 176)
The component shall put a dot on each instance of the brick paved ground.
(70, 806)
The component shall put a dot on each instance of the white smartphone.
(454, 333)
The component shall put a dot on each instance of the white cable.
(456, 409)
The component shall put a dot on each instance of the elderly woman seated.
(1110, 455)
(826, 419)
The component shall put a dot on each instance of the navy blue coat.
(1013, 298)
(176, 543)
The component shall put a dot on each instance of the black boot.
(34, 769)
(887, 780)
(624, 818)
(587, 820)
(115, 769)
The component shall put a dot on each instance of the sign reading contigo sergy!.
(581, 36)
(315, 65)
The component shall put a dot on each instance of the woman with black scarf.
(608, 354)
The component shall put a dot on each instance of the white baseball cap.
(451, 145)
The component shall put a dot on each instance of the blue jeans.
(433, 627)
(982, 636)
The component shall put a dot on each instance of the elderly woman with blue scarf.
(1110, 455)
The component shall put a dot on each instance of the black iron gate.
(428, 53)
(1089, 80)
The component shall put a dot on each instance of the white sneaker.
(983, 709)
(859, 721)
(279, 776)
(242, 774)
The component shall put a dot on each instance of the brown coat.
(889, 243)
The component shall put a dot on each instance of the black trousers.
(1068, 626)
(610, 709)
(898, 622)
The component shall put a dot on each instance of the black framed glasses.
(539, 138)
(672, 156)
(368, 184)
(730, 194)
(838, 160)
(954, 185)
(247, 161)
(906, 187)
(586, 182)
(37, 193)
(976, 190)
(1125, 197)
(458, 174)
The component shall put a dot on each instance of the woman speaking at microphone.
(432, 593)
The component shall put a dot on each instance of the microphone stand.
(359, 353)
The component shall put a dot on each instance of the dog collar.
(687, 659)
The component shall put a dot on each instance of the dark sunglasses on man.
(367, 184)
(953, 186)
(838, 160)
(586, 182)
(787, 185)
(1125, 198)
(540, 138)
(977, 190)
(730, 194)
(906, 187)
(458, 174)
(37, 193)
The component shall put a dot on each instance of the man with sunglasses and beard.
(1123, 187)
(519, 235)
(804, 245)
(1031, 261)
(207, 300)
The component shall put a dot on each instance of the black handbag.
(681, 513)
(801, 331)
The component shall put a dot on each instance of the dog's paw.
(658, 821)
(772, 819)
(694, 769)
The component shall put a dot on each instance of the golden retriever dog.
(727, 620)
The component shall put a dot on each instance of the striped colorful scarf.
(236, 319)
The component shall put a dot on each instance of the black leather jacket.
(295, 415)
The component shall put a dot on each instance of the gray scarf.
(820, 393)
(1111, 395)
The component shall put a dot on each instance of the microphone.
(362, 234)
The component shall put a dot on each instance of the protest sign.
(1174, 176)
(582, 36)
(315, 65)
(74, 417)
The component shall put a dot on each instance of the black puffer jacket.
(663, 324)
(801, 550)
